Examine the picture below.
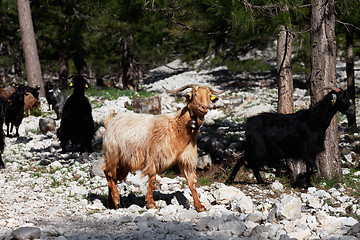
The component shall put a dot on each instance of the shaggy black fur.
(15, 112)
(49, 86)
(77, 124)
(33, 90)
(55, 98)
(271, 137)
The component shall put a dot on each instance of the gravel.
(49, 195)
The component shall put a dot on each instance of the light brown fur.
(153, 144)
(30, 102)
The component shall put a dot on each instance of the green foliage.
(158, 32)
(205, 181)
(113, 93)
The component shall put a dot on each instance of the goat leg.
(310, 165)
(113, 196)
(2, 165)
(235, 170)
(257, 175)
(17, 131)
(7, 130)
(190, 180)
(150, 203)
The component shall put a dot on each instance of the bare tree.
(130, 71)
(33, 69)
(323, 69)
(284, 72)
(285, 92)
(350, 73)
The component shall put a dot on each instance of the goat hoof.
(150, 205)
(200, 208)
(113, 204)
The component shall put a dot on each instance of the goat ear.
(333, 100)
(213, 98)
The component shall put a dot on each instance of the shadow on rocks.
(133, 199)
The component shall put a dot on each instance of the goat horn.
(86, 76)
(180, 89)
(216, 92)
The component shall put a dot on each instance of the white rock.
(96, 205)
(300, 234)
(322, 194)
(257, 109)
(75, 189)
(327, 222)
(277, 187)
(288, 208)
(242, 205)
(187, 215)
(204, 161)
(311, 222)
(56, 165)
(348, 221)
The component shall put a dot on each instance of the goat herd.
(154, 143)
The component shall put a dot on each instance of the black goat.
(271, 137)
(15, 112)
(77, 124)
(3, 107)
(55, 98)
(49, 86)
(33, 90)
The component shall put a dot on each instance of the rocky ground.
(48, 195)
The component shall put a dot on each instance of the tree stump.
(150, 105)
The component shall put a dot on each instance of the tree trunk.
(33, 69)
(350, 74)
(323, 69)
(285, 94)
(129, 71)
(80, 64)
(63, 66)
(284, 73)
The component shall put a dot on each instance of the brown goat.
(153, 144)
(6, 92)
(30, 102)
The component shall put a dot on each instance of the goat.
(33, 90)
(3, 107)
(155, 143)
(49, 86)
(7, 91)
(55, 98)
(30, 102)
(15, 112)
(271, 137)
(77, 124)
